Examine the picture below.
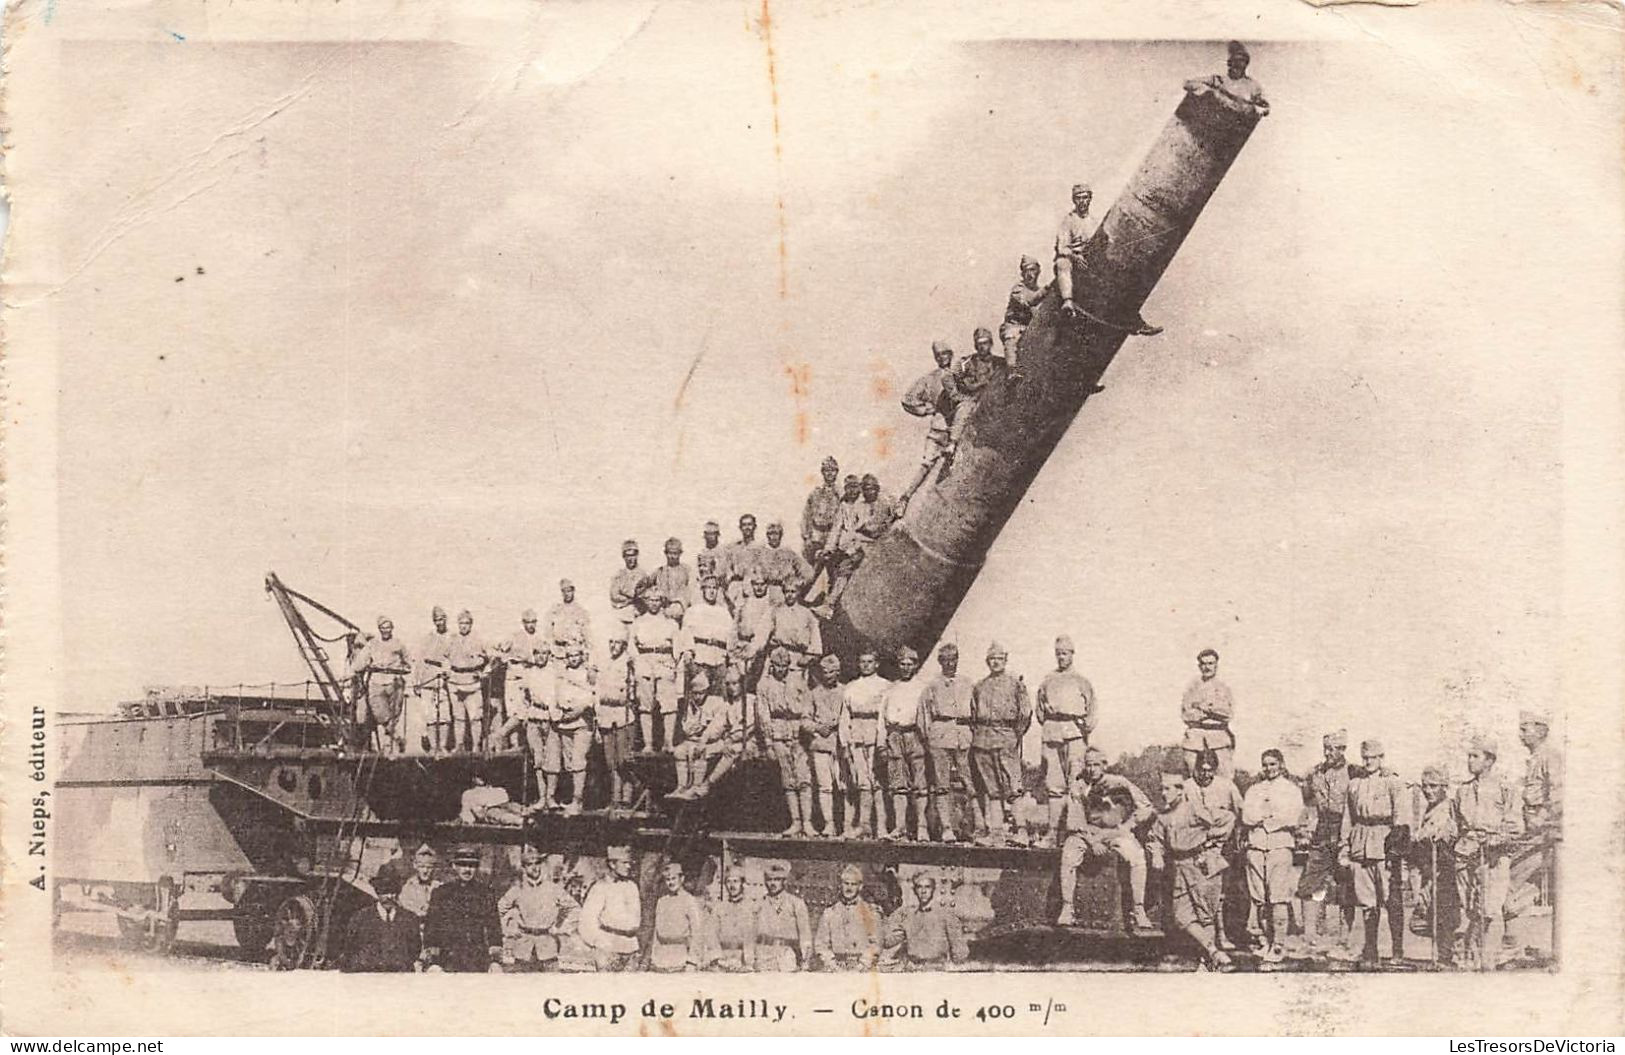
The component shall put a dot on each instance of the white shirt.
(902, 705)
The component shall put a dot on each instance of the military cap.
(573, 644)
(465, 614)
(677, 605)
(1238, 50)
(1371, 747)
(710, 580)
(1484, 744)
(425, 850)
(700, 682)
(851, 478)
(1535, 717)
(747, 516)
(1064, 641)
(780, 654)
(1338, 739)
(531, 853)
(830, 660)
(921, 877)
(792, 585)
(674, 541)
(618, 853)
(775, 525)
(528, 615)
(466, 855)
(1027, 261)
(438, 612)
(996, 649)
(757, 577)
(629, 546)
(1095, 752)
(386, 884)
(384, 621)
(871, 478)
(829, 462)
(566, 584)
(852, 872)
(941, 346)
(1207, 652)
(1076, 187)
(982, 331)
(908, 652)
(1433, 775)
(776, 869)
(948, 649)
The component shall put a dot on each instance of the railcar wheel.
(254, 925)
(294, 933)
(161, 930)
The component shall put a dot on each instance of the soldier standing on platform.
(849, 932)
(1323, 880)
(1000, 714)
(617, 694)
(927, 935)
(1271, 812)
(709, 560)
(1433, 855)
(654, 644)
(468, 661)
(627, 585)
(786, 708)
(680, 925)
(1377, 807)
(825, 697)
(1490, 811)
(1217, 805)
(567, 621)
(862, 731)
(741, 560)
(382, 664)
(792, 626)
(463, 931)
(906, 746)
(672, 580)
(945, 719)
(382, 937)
(1066, 707)
(780, 566)
(1207, 709)
(612, 915)
(574, 706)
(708, 634)
(1102, 811)
(1018, 312)
(782, 930)
(421, 884)
(524, 659)
(428, 723)
(1182, 841)
(1542, 805)
(533, 912)
(753, 620)
(818, 515)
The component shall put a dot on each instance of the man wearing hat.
(849, 932)
(574, 693)
(862, 524)
(706, 732)
(862, 730)
(741, 560)
(1018, 312)
(1071, 243)
(1323, 881)
(1490, 811)
(1000, 714)
(905, 746)
(680, 925)
(753, 622)
(927, 935)
(381, 666)
(523, 657)
(616, 695)
(468, 661)
(945, 720)
(825, 697)
(567, 621)
(707, 635)
(627, 585)
(1234, 88)
(780, 566)
(533, 912)
(1066, 709)
(785, 706)
(426, 724)
(1271, 812)
(842, 548)
(792, 626)
(818, 514)
(654, 661)
(422, 883)
(1375, 808)
(1182, 840)
(709, 559)
(934, 395)
(612, 915)
(383, 937)
(1207, 709)
(1102, 811)
(782, 930)
(977, 371)
(1542, 805)
(673, 580)
(1433, 855)
(463, 931)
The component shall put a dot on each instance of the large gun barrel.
(913, 579)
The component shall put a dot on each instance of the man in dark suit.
(463, 931)
(384, 937)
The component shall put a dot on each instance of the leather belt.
(713, 642)
(788, 943)
(863, 714)
(893, 727)
(666, 651)
(951, 719)
(535, 931)
(619, 932)
(388, 670)
(1002, 723)
(467, 670)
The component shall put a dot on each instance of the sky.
(417, 324)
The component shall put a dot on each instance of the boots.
(921, 832)
(792, 802)
(804, 798)
(826, 802)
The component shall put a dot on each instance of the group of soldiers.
(554, 919)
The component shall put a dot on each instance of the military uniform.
(848, 937)
(1099, 820)
(1327, 791)
(654, 644)
(575, 699)
(1490, 812)
(946, 707)
(610, 919)
(1271, 811)
(1375, 804)
(384, 665)
(614, 710)
(753, 619)
(467, 660)
(925, 939)
(740, 560)
(1206, 709)
(818, 519)
(782, 933)
(675, 582)
(1433, 854)
(533, 914)
(1543, 790)
(1018, 315)
(625, 586)
(1000, 714)
(785, 708)
(778, 566)
(731, 936)
(708, 637)
(416, 895)
(936, 395)
(862, 730)
(796, 630)
(1071, 241)
(463, 926)
(1190, 841)
(1066, 707)
(906, 751)
(707, 735)
(431, 719)
(823, 728)
(567, 622)
(679, 933)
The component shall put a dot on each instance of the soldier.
(753, 618)
(780, 566)
(818, 515)
(616, 696)
(525, 657)
(905, 746)
(1072, 257)
(467, 661)
(1490, 812)
(786, 708)
(627, 585)
(574, 955)
(534, 911)
(1322, 831)
(421, 884)
(1433, 854)
(654, 642)
(1102, 811)
(382, 665)
(742, 735)
(927, 935)
(1066, 707)
(567, 621)
(977, 371)
(741, 560)
(945, 721)
(430, 730)
(782, 931)
(680, 925)
(672, 580)
(1217, 806)
(384, 937)
(792, 627)
(1271, 812)
(1206, 710)
(861, 731)
(612, 915)
(481, 797)
(1375, 809)
(463, 931)
(849, 932)
(708, 635)
(823, 727)
(1018, 312)
(861, 523)
(574, 705)
(709, 560)
(1000, 714)
(1542, 806)
(1183, 841)
(706, 728)
(731, 926)
(1234, 88)
(934, 395)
